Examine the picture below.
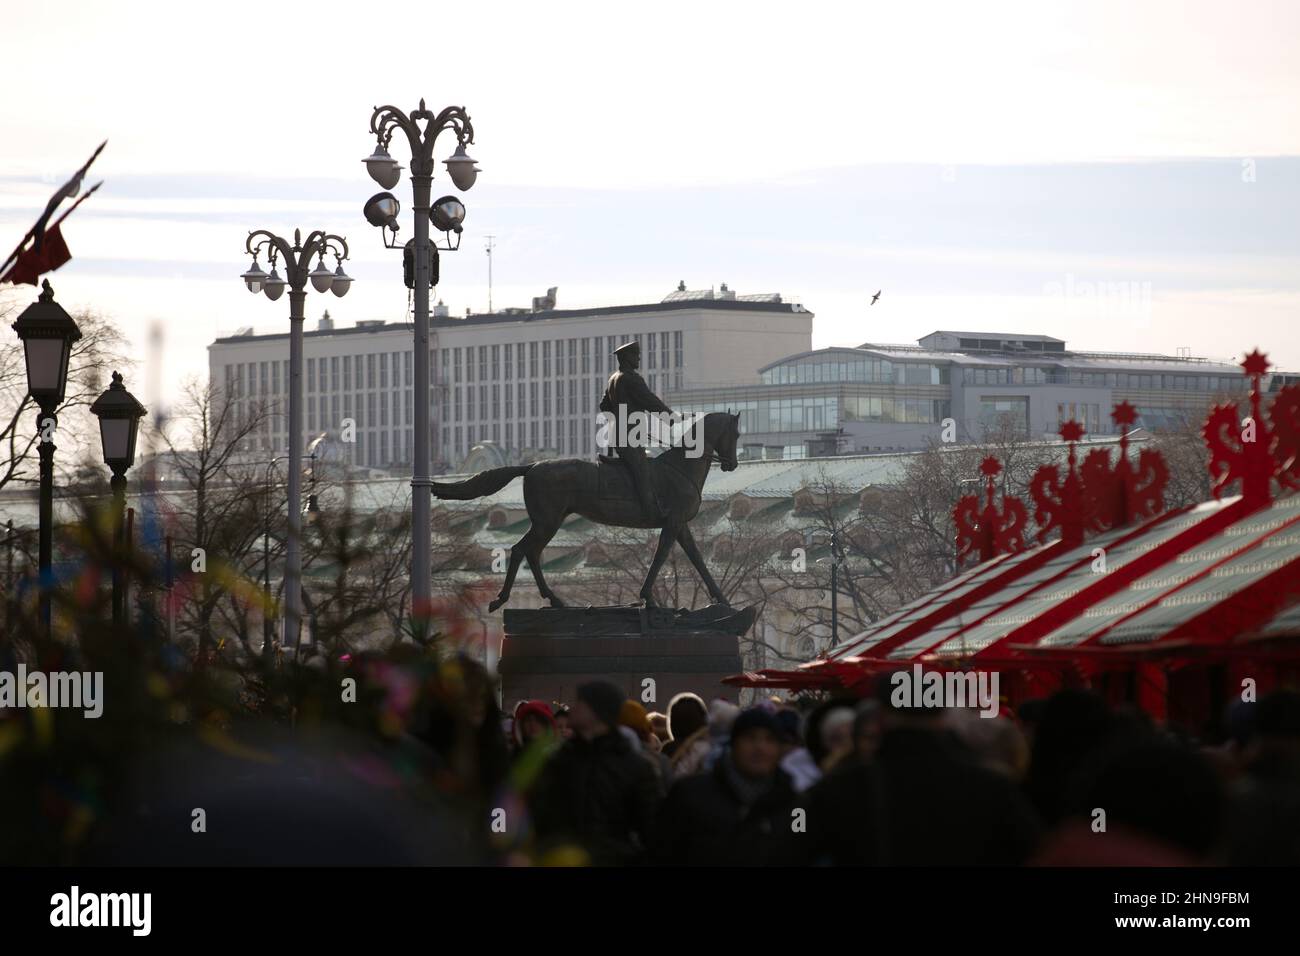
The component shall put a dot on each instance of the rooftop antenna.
(489, 258)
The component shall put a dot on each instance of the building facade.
(522, 379)
(876, 398)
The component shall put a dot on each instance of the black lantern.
(119, 422)
(47, 333)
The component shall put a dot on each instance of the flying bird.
(875, 297)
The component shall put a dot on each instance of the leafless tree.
(220, 509)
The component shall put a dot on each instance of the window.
(546, 359)
(586, 356)
(997, 412)
(370, 370)
(510, 348)
(482, 363)
(573, 356)
(311, 375)
(383, 370)
(347, 373)
(406, 368)
(677, 349)
(532, 359)
(496, 362)
(455, 365)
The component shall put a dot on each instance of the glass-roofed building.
(876, 398)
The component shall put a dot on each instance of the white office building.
(525, 380)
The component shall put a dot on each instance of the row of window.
(857, 370)
(558, 357)
(824, 412)
(1060, 376)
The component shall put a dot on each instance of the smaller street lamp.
(383, 168)
(254, 278)
(119, 417)
(460, 168)
(47, 333)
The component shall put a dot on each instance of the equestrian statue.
(629, 489)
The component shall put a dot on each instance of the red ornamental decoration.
(1059, 504)
(1253, 450)
(1116, 496)
(991, 530)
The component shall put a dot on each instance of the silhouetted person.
(735, 814)
(920, 800)
(596, 792)
(686, 716)
(1265, 829)
(1071, 727)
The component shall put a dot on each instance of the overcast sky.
(1124, 176)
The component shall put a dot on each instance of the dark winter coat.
(600, 795)
(704, 822)
(923, 801)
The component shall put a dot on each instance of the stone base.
(547, 653)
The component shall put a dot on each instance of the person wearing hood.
(596, 792)
(702, 748)
(533, 721)
(737, 813)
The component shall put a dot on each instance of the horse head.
(722, 432)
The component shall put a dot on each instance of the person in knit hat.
(596, 792)
(738, 812)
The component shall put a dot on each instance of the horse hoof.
(556, 602)
(496, 604)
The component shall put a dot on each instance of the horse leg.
(516, 556)
(666, 538)
(533, 552)
(687, 541)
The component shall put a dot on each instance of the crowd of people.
(1066, 780)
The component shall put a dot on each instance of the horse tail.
(484, 483)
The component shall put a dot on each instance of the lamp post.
(47, 333)
(310, 513)
(298, 272)
(446, 214)
(119, 417)
(835, 560)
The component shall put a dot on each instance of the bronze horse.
(557, 488)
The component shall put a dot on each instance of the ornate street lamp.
(446, 215)
(119, 417)
(298, 272)
(47, 333)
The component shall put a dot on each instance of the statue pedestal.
(547, 653)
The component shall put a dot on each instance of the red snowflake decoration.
(1059, 502)
(991, 530)
(1116, 495)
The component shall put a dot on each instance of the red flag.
(33, 263)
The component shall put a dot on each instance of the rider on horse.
(625, 394)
